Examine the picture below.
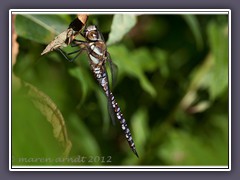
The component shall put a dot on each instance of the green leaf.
(83, 138)
(134, 64)
(140, 133)
(140, 124)
(121, 25)
(218, 38)
(212, 74)
(81, 74)
(199, 79)
(103, 105)
(182, 148)
(195, 28)
(40, 28)
(39, 129)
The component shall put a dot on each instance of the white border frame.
(118, 11)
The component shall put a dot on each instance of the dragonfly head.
(91, 33)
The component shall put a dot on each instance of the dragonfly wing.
(113, 69)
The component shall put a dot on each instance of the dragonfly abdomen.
(123, 123)
(102, 79)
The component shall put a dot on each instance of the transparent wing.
(113, 69)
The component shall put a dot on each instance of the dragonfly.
(96, 48)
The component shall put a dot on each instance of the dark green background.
(172, 87)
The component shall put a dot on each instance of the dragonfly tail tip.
(135, 152)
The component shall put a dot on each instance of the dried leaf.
(58, 42)
(83, 18)
(67, 36)
(52, 114)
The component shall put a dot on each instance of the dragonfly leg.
(77, 51)
(76, 42)
(66, 55)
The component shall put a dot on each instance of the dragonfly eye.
(92, 36)
(91, 33)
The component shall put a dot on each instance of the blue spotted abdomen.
(123, 123)
(101, 76)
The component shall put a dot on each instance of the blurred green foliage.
(172, 87)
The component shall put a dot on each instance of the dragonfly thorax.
(97, 52)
